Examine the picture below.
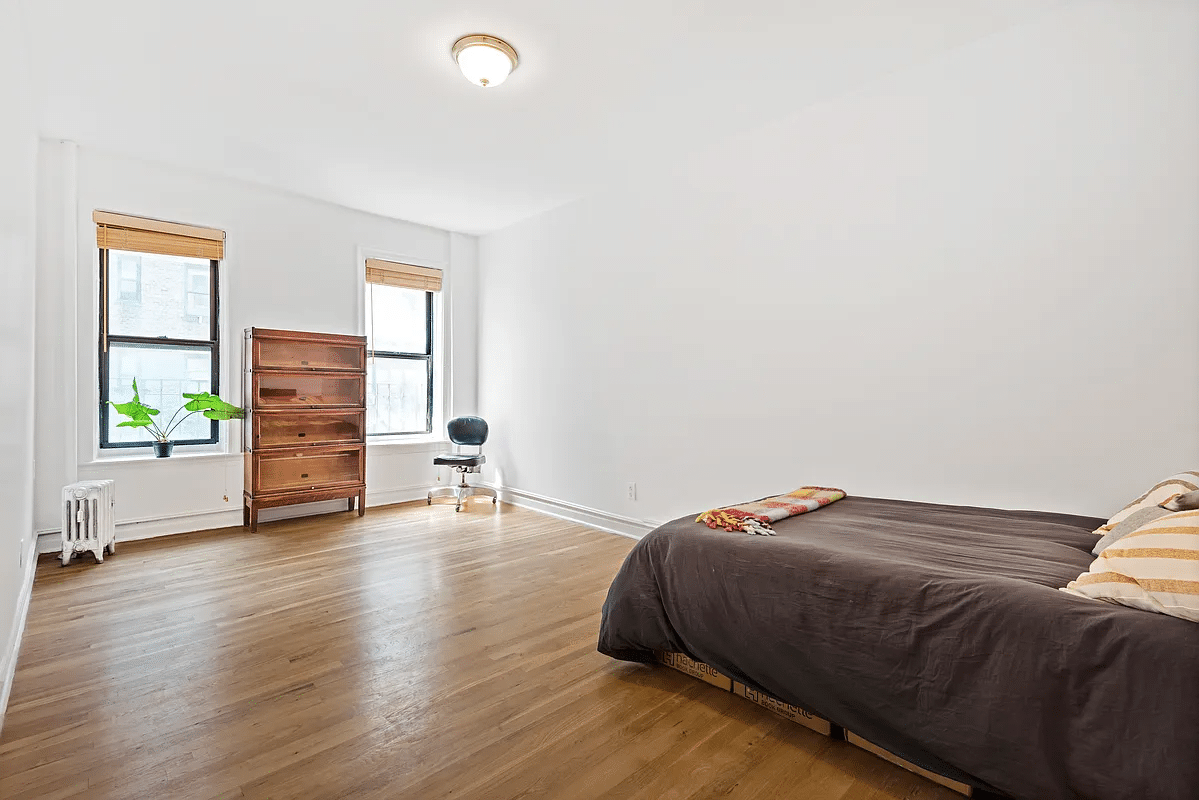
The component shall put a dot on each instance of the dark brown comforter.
(936, 632)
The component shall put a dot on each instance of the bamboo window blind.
(145, 235)
(407, 276)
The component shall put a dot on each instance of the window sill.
(106, 459)
(414, 443)
(422, 442)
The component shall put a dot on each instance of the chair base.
(461, 492)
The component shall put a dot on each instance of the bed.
(937, 633)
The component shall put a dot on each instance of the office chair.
(468, 432)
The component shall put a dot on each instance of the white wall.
(291, 262)
(974, 282)
(18, 157)
(464, 286)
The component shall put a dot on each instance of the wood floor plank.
(411, 653)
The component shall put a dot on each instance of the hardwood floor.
(411, 653)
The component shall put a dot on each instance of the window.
(130, 272)
(400, 357)
(198, 295)
(159, 324)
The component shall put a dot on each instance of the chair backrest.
(467, 430)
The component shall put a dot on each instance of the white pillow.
(1155, 567)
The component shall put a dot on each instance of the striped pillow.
(1181, 483)
(1156, 567)
(1129, 524)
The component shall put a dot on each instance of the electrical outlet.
(632, 491)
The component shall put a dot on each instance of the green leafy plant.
(142, 416)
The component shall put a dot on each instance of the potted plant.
(142, 416)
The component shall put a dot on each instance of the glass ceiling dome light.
(485, 60)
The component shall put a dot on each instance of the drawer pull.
(305, 475)
(305, 363)
(301, 435)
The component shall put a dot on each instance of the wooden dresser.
(305, 424)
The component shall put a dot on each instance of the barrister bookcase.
(305, 424)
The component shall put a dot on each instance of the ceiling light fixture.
(485, 60)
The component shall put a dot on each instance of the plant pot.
(163, 449)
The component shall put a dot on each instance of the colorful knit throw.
(756, 517)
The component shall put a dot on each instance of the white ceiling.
(359, 103)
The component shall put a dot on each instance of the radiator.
(88, 520)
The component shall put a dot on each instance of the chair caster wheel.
(457, 508)
(493, 501)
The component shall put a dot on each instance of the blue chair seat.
(460, 459)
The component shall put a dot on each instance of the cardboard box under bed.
(713, 676)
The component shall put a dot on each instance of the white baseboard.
(132, 530)
(50, 541)
(388, 497)
(8, 659)
(591, 517)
